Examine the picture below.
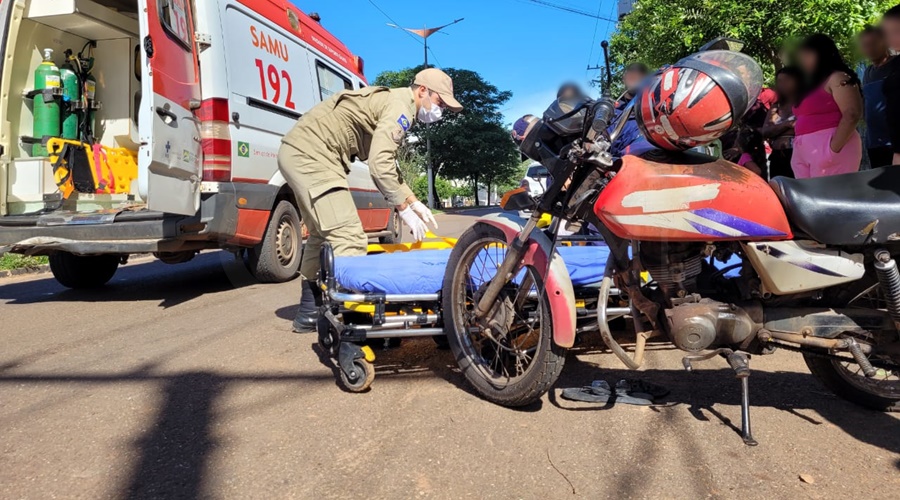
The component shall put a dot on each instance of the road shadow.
(173, 461)
(171, 285)
(288, 313)
(174, 453)
(409, 358)
(701, 390)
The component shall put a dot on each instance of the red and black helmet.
(698, 99)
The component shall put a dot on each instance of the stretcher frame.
(397, 316)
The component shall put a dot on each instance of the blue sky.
(514, 44)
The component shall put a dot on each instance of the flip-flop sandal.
(653, 391)
(600, 392)
(597, 392)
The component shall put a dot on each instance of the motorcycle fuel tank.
(712, 201)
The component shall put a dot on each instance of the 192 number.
(271, 78)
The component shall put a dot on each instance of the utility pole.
(424, 33)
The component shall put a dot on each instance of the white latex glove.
(424, 213)
(415, 223)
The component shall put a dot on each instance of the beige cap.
(436, 80)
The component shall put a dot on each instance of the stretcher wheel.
(365, 375)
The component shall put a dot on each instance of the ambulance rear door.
(170, 154)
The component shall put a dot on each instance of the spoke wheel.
(845, 377)
(508, 356)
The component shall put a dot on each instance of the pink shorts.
(813, 156)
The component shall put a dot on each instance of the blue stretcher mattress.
(422, 271)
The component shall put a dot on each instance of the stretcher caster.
(360, 377)
(355, 365)
(326, 332)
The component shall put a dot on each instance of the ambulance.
(153, 126)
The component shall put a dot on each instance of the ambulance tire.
(83, 271)
(395, 228)
(276, 259)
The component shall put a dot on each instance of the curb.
(25, 271)
(44, 269)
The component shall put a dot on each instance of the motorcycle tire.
(835, 377)
(547, 359)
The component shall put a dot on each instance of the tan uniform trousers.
(326, 207)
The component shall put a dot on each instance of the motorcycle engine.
(673, 266)
(695, 323)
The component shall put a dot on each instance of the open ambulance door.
(169, 161)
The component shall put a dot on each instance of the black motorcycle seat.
(848, 209)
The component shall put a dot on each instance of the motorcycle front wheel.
(514, 361)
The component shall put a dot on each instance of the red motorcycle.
(815, 271)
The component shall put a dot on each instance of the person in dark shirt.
(632, 77)
(778, 128)
(874, 47)
(890, 23)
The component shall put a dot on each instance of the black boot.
(308, 312)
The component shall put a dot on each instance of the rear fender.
(560, 292)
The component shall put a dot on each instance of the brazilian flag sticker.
(244, 149)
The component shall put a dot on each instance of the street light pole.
(425, 33)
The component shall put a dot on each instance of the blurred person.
(830, 108)
(778, 128)
(753, 152)
(630, 134)
(874, 47)
(890, 25)
(634, 74)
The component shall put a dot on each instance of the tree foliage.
(660, 32)
(473, 145)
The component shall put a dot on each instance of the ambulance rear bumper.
(141, 232)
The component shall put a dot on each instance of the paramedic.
(315, 156)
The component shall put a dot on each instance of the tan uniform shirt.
(368, 124)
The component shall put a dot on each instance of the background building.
(625, 8)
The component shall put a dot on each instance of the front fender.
(558, 284)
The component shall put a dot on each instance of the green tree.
(660, 32)
(472, 145)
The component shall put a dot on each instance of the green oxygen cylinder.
(89, 97)
(46, 106)
(71, 97)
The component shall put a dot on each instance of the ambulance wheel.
(395, 227)
(277, 258)
(83, 271)
(365, 375)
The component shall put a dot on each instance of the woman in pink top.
(826, 142)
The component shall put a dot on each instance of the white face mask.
(431, 115)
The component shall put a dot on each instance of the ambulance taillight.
(360, 65)
(216, 140)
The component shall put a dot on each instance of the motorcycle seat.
(849, 209)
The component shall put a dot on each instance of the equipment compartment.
(76, 25)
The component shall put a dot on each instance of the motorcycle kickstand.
(740, 363)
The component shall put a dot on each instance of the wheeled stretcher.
(397, 294)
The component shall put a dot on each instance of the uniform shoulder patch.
(404, 122)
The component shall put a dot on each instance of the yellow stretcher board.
(113, 169)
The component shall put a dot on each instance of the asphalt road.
(186, 381)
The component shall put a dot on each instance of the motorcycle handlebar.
(604, 111)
